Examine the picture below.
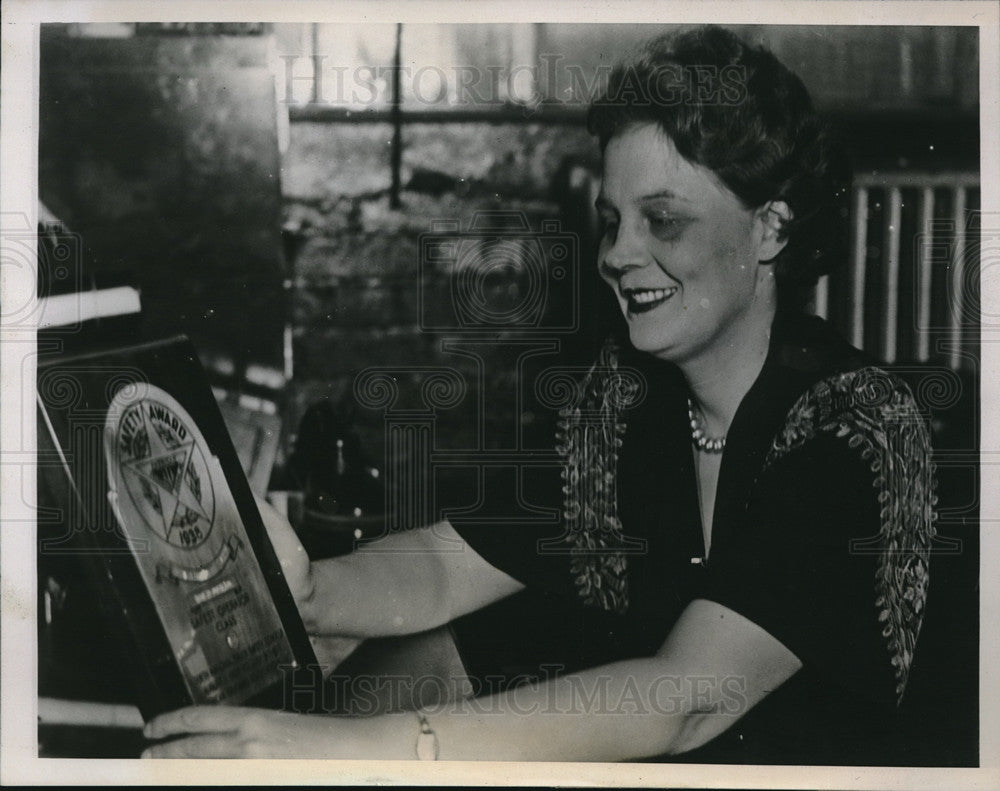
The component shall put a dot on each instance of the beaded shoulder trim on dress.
(875, 413)
(589, 435)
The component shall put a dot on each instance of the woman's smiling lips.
(641, 300)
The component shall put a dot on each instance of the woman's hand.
(232, 732)
(295, 564)
(235, 732)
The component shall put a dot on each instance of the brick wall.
(357, 262)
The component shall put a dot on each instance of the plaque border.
(105, 558)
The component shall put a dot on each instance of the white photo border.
(18, 197)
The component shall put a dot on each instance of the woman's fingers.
(291, 554)
(277, 525)
(234, 732)
(279, 530)
(197, 719)
(227, 745)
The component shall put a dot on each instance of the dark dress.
(821, 535)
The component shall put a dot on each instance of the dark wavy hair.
(736, 110)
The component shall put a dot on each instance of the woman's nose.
(625, 253)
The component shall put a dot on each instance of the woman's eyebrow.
(602, 201)
(663, 195)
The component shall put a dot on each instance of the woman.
(752, 540)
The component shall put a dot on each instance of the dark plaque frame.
(140, 483)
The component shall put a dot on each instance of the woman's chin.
(657, 346)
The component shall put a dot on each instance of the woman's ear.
(773, 216)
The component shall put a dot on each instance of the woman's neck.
(722, 376)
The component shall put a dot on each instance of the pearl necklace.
(702, 441)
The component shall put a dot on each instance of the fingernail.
(146, 754)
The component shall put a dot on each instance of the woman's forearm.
(402, 584)
(397, 590)
(628, 710)
(612, 713)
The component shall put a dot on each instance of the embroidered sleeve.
(590, 434)
(875, 413)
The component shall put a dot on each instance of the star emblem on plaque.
(165, 472)
(164, 483)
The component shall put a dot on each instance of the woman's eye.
(609, 227)
(665, 226)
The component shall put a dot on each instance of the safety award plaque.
(157, 505)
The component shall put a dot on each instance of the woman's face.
(680, 250)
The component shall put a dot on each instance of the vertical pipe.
(905, 66)
(316, 89)
(409, 440)
(924, 273)
(823, 297)
(958, 301)
(288, 351)
(859, 254)
(397, 119)
(890, 262)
